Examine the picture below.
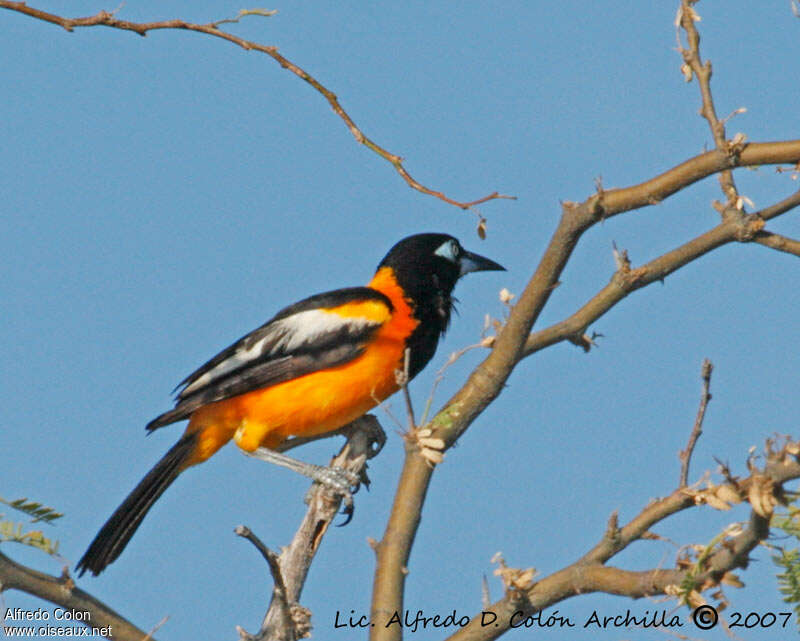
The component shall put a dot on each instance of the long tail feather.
(120, 527)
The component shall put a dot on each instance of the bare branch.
(776, 241)
(705, 397)
(279, 602)
(107, 19)
(655, 190)
(702, 70)
(742, 228)
(62, 591)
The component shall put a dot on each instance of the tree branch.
(589, 574)
(107, 19)
(776, 241)
(702, 71)
(62, 591)
(285, 628)
(624, 282)
(365, 439)
(608, 203)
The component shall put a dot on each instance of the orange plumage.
(319, 402)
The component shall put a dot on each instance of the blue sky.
(164, 195)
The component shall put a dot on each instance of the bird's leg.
(337, 479)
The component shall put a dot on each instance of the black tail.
(118, 530)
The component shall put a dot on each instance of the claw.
(363, 478)
(348, 510)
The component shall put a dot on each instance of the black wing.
(311, 335)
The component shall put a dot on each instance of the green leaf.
(36, 511)
(14, 532)
(789, 559)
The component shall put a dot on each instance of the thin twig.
(155, 628)
(487, 341)
(412, 423)
(269, 556)
(279, 596)
(107, 19)
(697, 430)
(702, 70)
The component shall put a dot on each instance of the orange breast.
(316, 403)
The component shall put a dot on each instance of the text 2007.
(759, 620)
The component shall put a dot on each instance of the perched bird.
(314, 367)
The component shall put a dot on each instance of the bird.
(312, 368)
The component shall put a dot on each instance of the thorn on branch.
(621, 259)
(155, 628)
(612, 528)
(244, 635)
(735, 112)
(741, 201)
(372, 543)
(486, 597)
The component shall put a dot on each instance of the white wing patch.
(283, 337)
(304, 328)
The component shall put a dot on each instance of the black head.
(427, 267)
(432, 262)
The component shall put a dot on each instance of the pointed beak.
(474, 263)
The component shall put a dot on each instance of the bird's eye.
(450, 250)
